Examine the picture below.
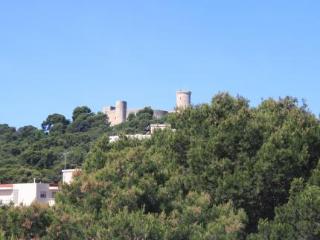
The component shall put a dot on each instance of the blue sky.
(56, 55)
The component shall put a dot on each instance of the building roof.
(71, 170)
(6, 186)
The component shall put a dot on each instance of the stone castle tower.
(117, 114)
(183, 99)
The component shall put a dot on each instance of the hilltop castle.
(120, 113)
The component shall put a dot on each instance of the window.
(43, 194)
(53, 194)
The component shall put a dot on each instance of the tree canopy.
(227, 171)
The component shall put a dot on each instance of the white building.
(132, 136)
(159, 126)
(68, 174)
(27, 193)
(153, 129)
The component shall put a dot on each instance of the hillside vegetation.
(29, 152)
(229, 171)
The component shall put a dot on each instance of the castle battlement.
(119, 113)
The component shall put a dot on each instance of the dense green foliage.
(137, 123)
(299, 218)
(28, 152)
(228, 171)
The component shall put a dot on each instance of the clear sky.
(56, 55)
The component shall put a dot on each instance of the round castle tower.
(183, 99)
(121, 111)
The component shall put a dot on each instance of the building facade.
(157, 126)
(27, 193)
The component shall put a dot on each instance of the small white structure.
(68, 174)
(158, 126)
(133, 136)
(153, 129)
(27, 193)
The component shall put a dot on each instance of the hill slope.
(225, 168)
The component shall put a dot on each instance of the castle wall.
(157, 114)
